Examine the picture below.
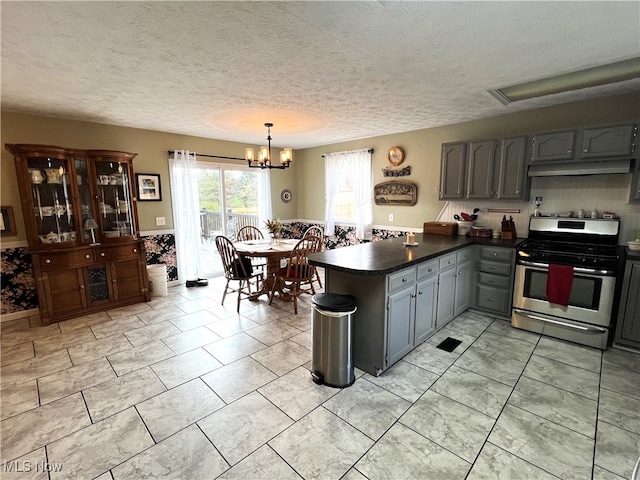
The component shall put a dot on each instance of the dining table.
(273, 253)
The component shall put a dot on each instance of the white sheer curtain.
(186, 213)
(265, 209)
(355, 165)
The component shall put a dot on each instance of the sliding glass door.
(228, 201)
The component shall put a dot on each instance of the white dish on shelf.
(634, 245)
(410, 244)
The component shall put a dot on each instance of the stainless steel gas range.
(566, 276)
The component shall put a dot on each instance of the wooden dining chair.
(316, 231)
(237, 268)
(249, 232)
(298, 273)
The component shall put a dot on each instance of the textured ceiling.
(322, 72)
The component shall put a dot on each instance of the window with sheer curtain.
(349, 191)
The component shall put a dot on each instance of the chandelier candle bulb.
(248, 154)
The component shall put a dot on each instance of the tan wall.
(306, 177)
(422, 148)
(151, 147)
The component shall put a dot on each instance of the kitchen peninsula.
(404, 293)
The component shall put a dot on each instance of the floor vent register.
(449, 344)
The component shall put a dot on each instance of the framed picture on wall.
(148, 187)
(7, 222)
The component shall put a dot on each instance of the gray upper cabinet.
(452, 170)
(552, 146)
(480, 168)
(606, 142)
(497, 169)
(634, 193)
(512, 173)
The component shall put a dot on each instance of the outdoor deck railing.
(211, 223)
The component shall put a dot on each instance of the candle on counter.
(411, 238)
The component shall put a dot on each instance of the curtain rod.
(370, 150)
(171, 152)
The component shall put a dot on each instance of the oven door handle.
(592, 271)
(541, 318)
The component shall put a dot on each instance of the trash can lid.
(334, 302)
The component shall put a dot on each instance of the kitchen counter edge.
(389, 255)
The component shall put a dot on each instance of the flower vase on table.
(275, 230)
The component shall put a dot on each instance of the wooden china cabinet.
(80, 215)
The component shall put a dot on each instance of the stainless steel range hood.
(601, 167)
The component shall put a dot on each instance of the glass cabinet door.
(115, 206)
(55, 218)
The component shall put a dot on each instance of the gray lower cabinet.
(399, 311)
(411, 309)
(628, 328)
(493, 290)
(454, 279)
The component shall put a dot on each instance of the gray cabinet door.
(634, 194)
(446, 292)
(552, 146)
(605, 142)
(480, 169)
(400, 326)
(511, 168)
(631, 320)
(426, 301)
(452, 170)
(463, 282)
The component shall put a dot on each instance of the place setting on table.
(273, 252)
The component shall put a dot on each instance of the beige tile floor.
(184, 388)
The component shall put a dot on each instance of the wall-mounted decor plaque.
(395, 193)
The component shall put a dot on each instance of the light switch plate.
(160, 221)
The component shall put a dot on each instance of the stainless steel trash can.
(331, 343)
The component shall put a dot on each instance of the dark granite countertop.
(386, 256)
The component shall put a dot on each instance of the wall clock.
(395, 156)
(286, 196)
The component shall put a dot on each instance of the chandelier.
(264, 154)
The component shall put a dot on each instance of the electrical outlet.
(391, 217)
(160, 221)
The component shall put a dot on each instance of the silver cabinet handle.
(135, 250)
(102, 254)
(430, 270)
(87, 256)
(47, 261)
(404, 280)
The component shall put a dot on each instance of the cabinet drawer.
(495, 267)
(76, 258)
(493, 280)
(121, 252)
(463, 255)
(447, 261)
(499, 254)
(401, 279)
(493, 299)
(427, 269)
